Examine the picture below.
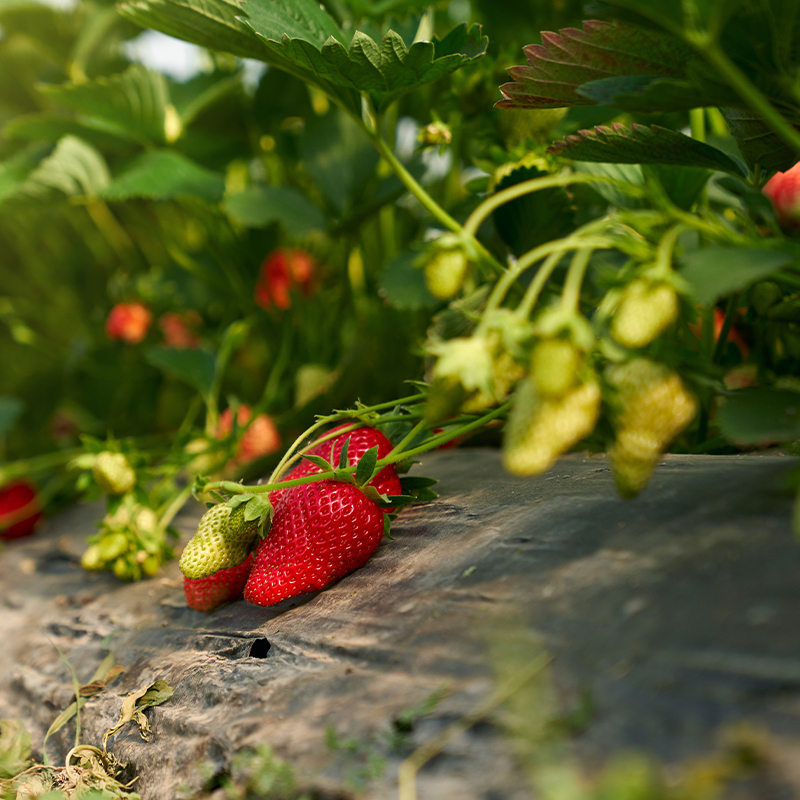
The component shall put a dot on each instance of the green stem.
(575, 240)
(571, 297)
(173, 507)
(666, 248)
(526, 187)
(231, 338)
(411, 183)
(400, 446)
(537, 284)
(38, 464)
(744, 87)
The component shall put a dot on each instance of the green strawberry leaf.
(134, 102)
(398, 500)
(402, 283)
(259, 206)
(366, 466)
(758, 142)
(343, 462)
(571, 58)
(165, 175)
(645, 93)
(643, 144)
(760, 416)
(51, 127)
(195, 367)
(319, 461)
(294, 19)
(373, 494)
(305, 41)
(215, 24)
(343, 476)
(74, 168)
(715, 272)
(534, 218)
(411, 482)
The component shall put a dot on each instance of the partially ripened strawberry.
(217, 545)
(224, 586)
(320, 532)
(361, 440)
(20, 510)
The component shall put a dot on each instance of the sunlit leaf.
(134, 101)
(74, 168)
(164, 175)
(215, 24)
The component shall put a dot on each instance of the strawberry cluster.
(319, 533)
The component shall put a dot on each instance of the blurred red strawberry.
(282, 270)
(783, 189)
(128, 322)
(734, 335)
(260, 439)
(179, 329)
(20, 510)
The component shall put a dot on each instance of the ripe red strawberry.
(128, 322)
(361, 440)
(225, 586)
(19, 509)
(320, 532)
(260, 439)
(282, 270)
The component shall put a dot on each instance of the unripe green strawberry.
(645, 310)
(150, 566)
(112, 473)
(445, 272)
(654, 407)
(541, 428)
(113, 545)
(91, 558)
(223, 540)
(554, 365)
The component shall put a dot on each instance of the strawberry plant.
(592, 249)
